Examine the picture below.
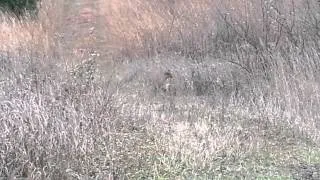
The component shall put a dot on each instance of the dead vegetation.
(197, 89)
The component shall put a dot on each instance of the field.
(161, 89)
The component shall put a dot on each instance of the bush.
(19, 7)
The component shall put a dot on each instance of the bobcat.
(167, 83)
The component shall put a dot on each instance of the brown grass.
(130, 23)
(238, 110)
(140, 27)
(31, 35)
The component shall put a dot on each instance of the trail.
(82, 29)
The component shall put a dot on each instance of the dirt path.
(82, 29)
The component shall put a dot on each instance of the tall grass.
(190, 27)
(28, 33)
(198, 89)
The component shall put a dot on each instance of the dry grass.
(241, 102)
(18, 36)
(132, 24)
(139, 27)
(36, 35)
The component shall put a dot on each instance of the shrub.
(19, 7)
